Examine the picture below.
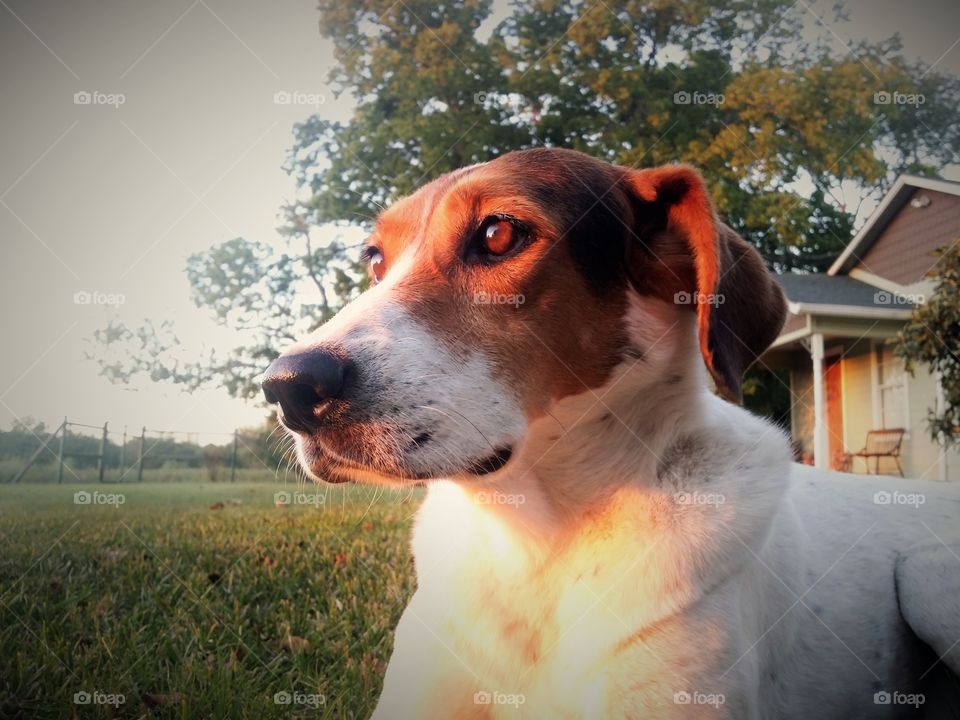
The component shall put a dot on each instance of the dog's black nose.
(303, 385)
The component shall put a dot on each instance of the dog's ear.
(683, 254)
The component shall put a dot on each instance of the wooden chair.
(881, 444)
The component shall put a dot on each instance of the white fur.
(649, 540)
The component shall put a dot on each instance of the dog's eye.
(498, 236)
(374, 258)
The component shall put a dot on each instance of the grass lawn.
(195, 600)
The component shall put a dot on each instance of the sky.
(180, 148)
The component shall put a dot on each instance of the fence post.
(143, 442)
(233, 458)
(101, 457)
(63, 437)
(123, 451)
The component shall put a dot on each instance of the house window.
(891, 389)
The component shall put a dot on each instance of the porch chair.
(881, 444)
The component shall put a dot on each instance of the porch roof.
(819, 293)
(837, 306)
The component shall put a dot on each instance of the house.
(836, 343)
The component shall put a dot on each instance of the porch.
(846, 381)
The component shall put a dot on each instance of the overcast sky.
(112, 199)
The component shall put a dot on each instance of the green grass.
(199, 600)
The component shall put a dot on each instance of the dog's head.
(503, 288)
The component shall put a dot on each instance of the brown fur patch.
(593, 229)
(562, 335)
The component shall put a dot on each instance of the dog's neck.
(603, 509)
(588, 446)
(593, 498)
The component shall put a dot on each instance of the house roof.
(821, 294)
(889, 206)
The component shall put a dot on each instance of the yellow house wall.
(919, 454)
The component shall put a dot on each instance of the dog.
(554, 345)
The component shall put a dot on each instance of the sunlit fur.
(647, 539)
(570, 596)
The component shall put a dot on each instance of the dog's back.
(854, 638)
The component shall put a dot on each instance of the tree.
(782, 128)
(250, 287)
(932, 338)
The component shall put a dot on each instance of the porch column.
(820, 440)
(941, 403)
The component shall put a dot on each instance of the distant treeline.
(255, 448)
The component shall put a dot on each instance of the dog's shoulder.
(726, 445)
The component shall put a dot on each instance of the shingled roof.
(823, 290)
